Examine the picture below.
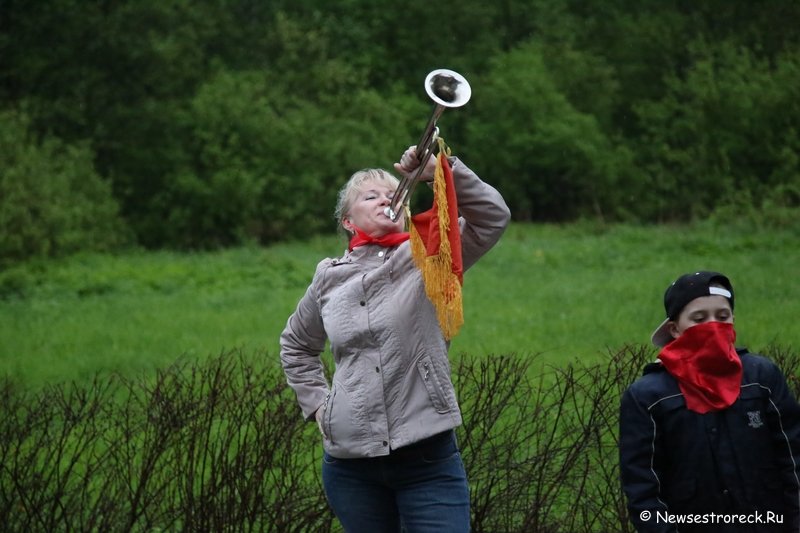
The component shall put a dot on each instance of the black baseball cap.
(685, 289)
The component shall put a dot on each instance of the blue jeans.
(421, 488)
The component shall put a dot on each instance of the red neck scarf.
(705, 363)
(390, 239)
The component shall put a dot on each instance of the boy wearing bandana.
(710, 434)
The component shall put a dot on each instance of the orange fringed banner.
(436, 248)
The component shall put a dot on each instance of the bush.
(726, 131)
(212, 447)
(52, 202)
(221, 446)
(551, 161)
(267, 163)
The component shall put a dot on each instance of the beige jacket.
(391, 386)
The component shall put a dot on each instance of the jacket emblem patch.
(755, 419)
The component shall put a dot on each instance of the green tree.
(550, 160)
(726, 126)
(52, 202)
(268, 161)
(210, 118)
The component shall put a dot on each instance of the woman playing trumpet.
(388, 417)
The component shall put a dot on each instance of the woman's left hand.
(408, 164)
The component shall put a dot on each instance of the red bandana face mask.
(705, 363)
(390, 239)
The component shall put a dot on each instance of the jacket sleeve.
(638, 448)
(785, 427)
(302, 341)
(484, 214)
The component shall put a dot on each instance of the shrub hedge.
(220, 445)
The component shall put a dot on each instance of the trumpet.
(446, 88)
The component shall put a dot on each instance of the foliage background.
(214, 123)
(564, 293)
(135, 136)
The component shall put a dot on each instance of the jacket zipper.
(326, 417)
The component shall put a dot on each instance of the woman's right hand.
(318, 416)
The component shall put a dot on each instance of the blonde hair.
(354, 185)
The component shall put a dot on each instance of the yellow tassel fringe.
(441, 284)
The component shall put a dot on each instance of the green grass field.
(565, 292)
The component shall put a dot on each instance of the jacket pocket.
(326, 414)
(433, 384)
(343, 421)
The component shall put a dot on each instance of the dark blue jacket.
(678, 465)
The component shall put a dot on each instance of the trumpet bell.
(447, 88)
